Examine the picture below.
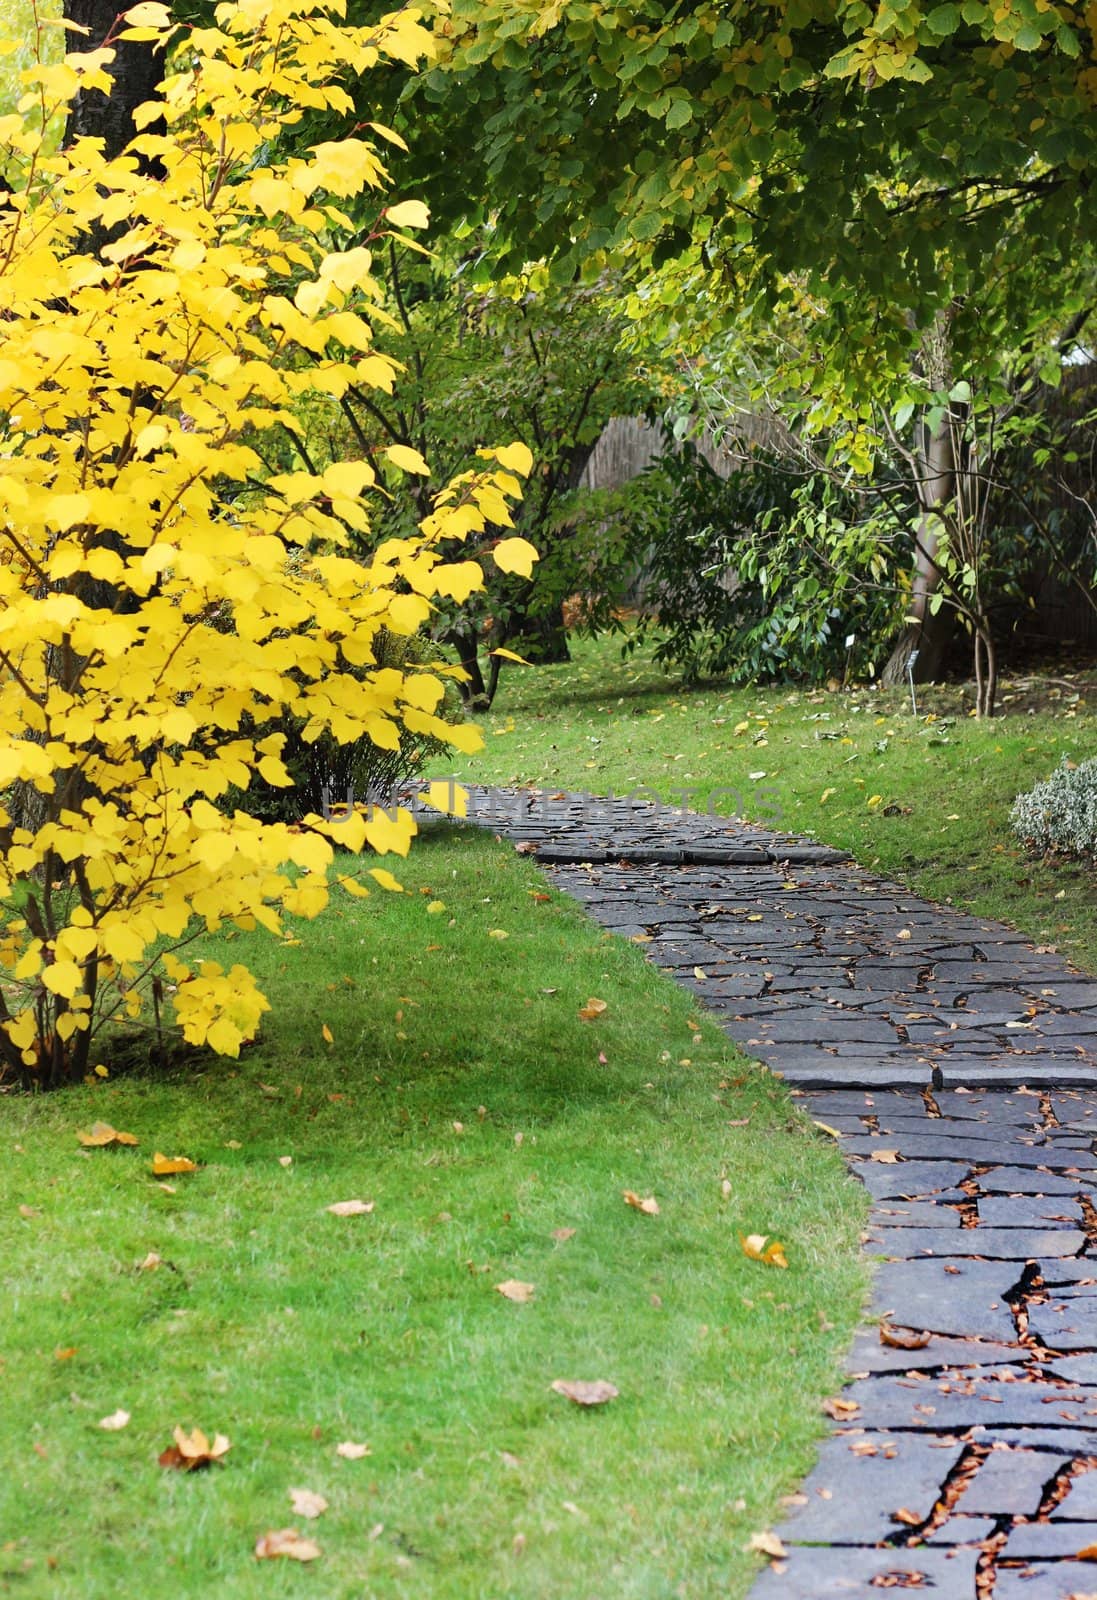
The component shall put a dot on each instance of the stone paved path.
(958, 1066)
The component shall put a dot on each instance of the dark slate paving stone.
(1041, 1540)
(865, 1491)
(1028, 1180)
(1065, 1442)
(914, 1214)
(1066, 1324)
(909, 1179)
(967, 1302)
(1075, 1369)
(867, 1354)
(854, 1574)
(1045, 1581)
(955, 1147)
(1079, 1270)
(1081, 1501)
(1029, 1211)
(1001, 1244)
(955, 1402)
(1009, 1483)
(964, 1530)
(973, 1131)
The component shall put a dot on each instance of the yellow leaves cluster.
(162, 590)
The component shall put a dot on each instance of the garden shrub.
(1059, 815)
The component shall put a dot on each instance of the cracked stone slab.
(1058, 1540)
(1003, 1244)
(909, 1180)
(968, 1300)
(963, 1530)
(848, 1491)
(1010, 1483)
(867, 1354)
(954, 1401)
(1080, 1504)
(858, 1574)
(1029, 1211)
(1069, 1324)
(1066, 1580)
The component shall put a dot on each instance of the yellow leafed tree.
(161, 591)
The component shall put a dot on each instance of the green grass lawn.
(462, 1094)
(925, 798)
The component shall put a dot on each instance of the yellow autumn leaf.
(510, 655)
(759, 1248)
(170, 1166)
(515, 555)
(101, 1133)
(407, 459)
(328, 1036)
(408, 214)
(385, 878)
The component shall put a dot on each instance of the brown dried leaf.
(150, 1263)
(903, 1338)
(101, 1133)
(307, 1504)
(193, 1450)
(650, 1206)
(584, 1393)
(351, 1451)
(169, 1166)
(116, 1420)
(593, 1008)
(65, 1352)
(755, 1246)
(841, 1410)
(285, 1542)
(351, 1208)
(28, 1211)
(562, 1235)
(911, 1519)
(1087, 1553)
(515, 1289)
(767, 1544)
(887, 1158)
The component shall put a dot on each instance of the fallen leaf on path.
(767, 1544)
(286, 1542)
(193, 1450)
(593, 1008)
(758, 1247)
(101, 1133)
(351, 1451)
(307, 1504)
(650, 1206)
(1087, 1553)
(515, 1289)
(887, 1158)
(169, 1166)
(902, 1338)
(583, 1393)
(351, 1208)
(841, 1410)
(116, 1420)
(910, 1519)
(825, 1127)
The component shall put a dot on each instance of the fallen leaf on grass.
(755, 1246)
(583, 1393)
(351, 1208)
(28, 1211)
(562, 1235)
(887, 1158)
(150, 1263)
(327, 1035)
(841, 1410)
(65, 1352)
(101, 1133)
(767, 1544)
(193, 1450)
(285, 1161)
(650, 1206)
(593, 1008)
(351, 1451)
(902, 1338)
(307, 1504)
(825, 1127)
(286, 1542)
(168, 1166)
(116, 1420)
(515, 1289)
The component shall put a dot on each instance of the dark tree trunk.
(931, 631)
(136, 71)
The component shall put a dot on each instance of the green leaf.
(680, 112)
(944, 19)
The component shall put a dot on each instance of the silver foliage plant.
(1059, 815)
